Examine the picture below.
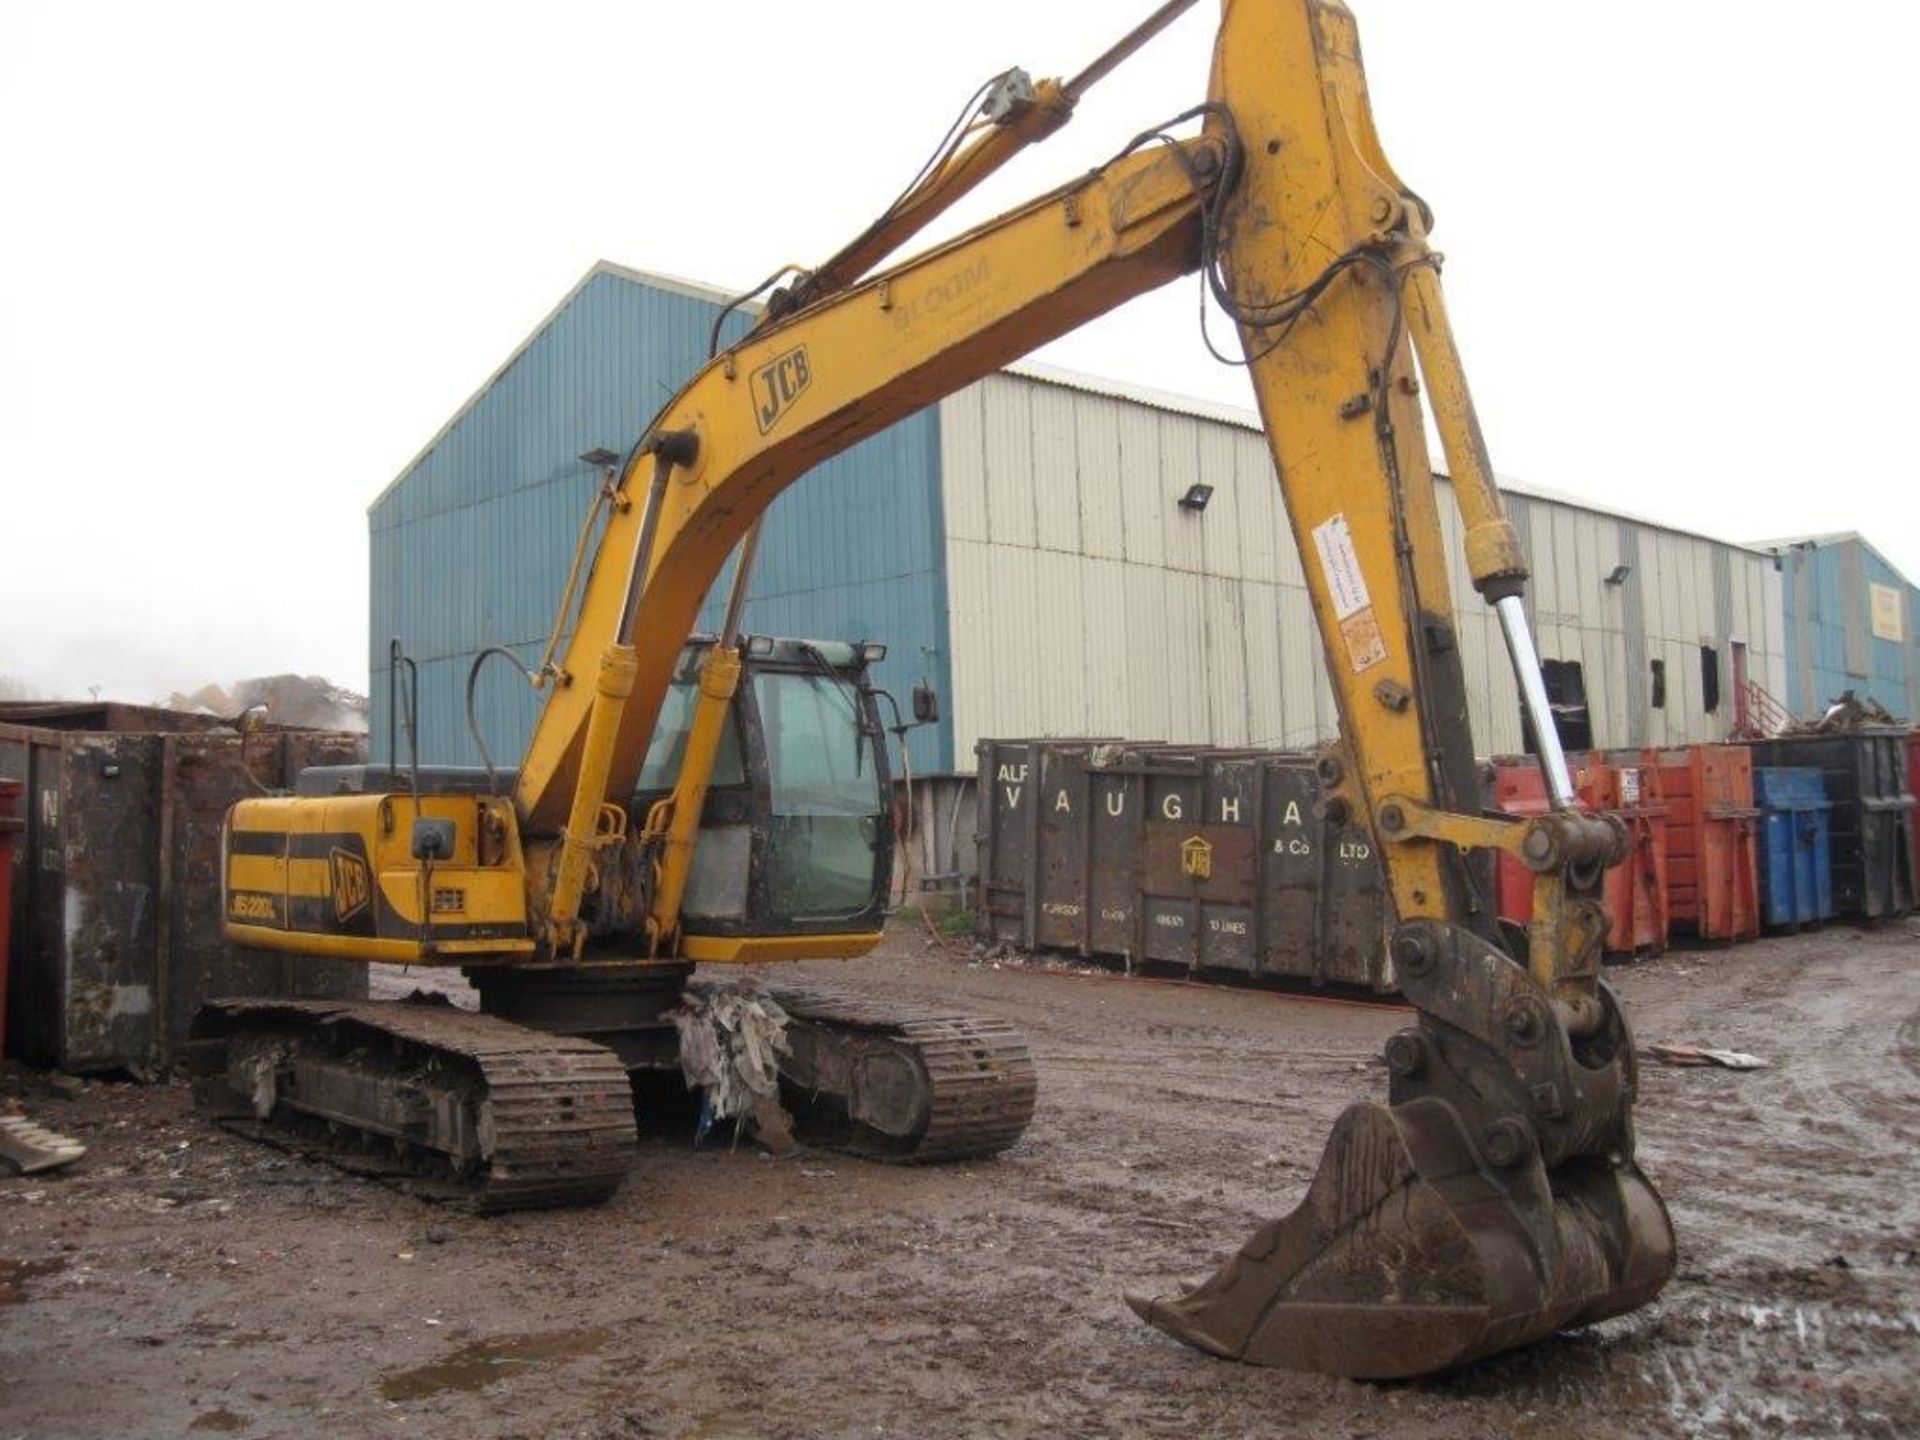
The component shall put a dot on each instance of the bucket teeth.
(1406, 1257)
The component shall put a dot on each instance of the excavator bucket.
(1408, 1256)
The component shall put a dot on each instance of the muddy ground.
(181, 1282)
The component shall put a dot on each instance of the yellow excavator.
(669, 811)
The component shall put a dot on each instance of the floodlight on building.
(1618, 575)
(1196, 498)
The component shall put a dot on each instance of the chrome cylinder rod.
(1533, 693)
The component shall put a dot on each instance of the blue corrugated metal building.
(472, 541)
(1852, 623)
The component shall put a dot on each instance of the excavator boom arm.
(799, 391)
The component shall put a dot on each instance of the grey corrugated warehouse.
(1022, 546)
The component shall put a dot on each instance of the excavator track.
(903, 1083)
(438, 1101)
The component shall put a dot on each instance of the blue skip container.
(1796, 865)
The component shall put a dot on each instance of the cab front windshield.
(824, 782)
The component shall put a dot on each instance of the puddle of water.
(484, 1362)
(222, 1420)
(14, 1275)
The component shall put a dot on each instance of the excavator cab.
(795, 837)
(796, 833)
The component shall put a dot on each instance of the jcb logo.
(352, 886)
(1196, 857)
(777, 384)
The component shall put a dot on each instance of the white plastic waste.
(731, 1038)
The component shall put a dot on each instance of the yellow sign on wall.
(1886, 612)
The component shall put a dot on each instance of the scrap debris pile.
(1849, 713)
(730, 1041)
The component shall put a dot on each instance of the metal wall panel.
(1306, 695)
(973, 708)
(1221, 548)
(1109, 647)
(1056, 471)
(1266, 687)
(1853, 603)
(1891, 664)
(1773, 602)
(1224, 602)
(1185, 530)
(1014, 677)
(963, 465)
(1260, 518)
(1184, 661)
(1008, 437)
(1103, 526)
(1912, 658)
(1143, 497)
(1150, 639)
(1184, 635)
(470, 545)
(1060, 651)
(1825, 590)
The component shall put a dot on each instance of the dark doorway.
(1567, 698)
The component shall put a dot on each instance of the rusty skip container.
(1713, 865)
(1012, 773)
(1872, 818)
(10, 827)
(116, 913)
(1059, 844)
(1242, 873)
(1212, 860)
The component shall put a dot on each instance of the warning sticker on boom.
(1352, 603)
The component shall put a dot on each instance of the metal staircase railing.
(1760, 714)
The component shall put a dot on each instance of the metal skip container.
(1212, 860)
(11, 826)
(1712, 864)
(1913, 818)
(116, 906)
(1794, 850)
(1865, 774)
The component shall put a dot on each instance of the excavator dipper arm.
(1495, 1197)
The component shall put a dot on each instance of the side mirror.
(926, 705)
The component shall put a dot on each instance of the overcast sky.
(254, 255)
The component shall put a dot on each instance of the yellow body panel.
(335, 876)
(376, 951)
